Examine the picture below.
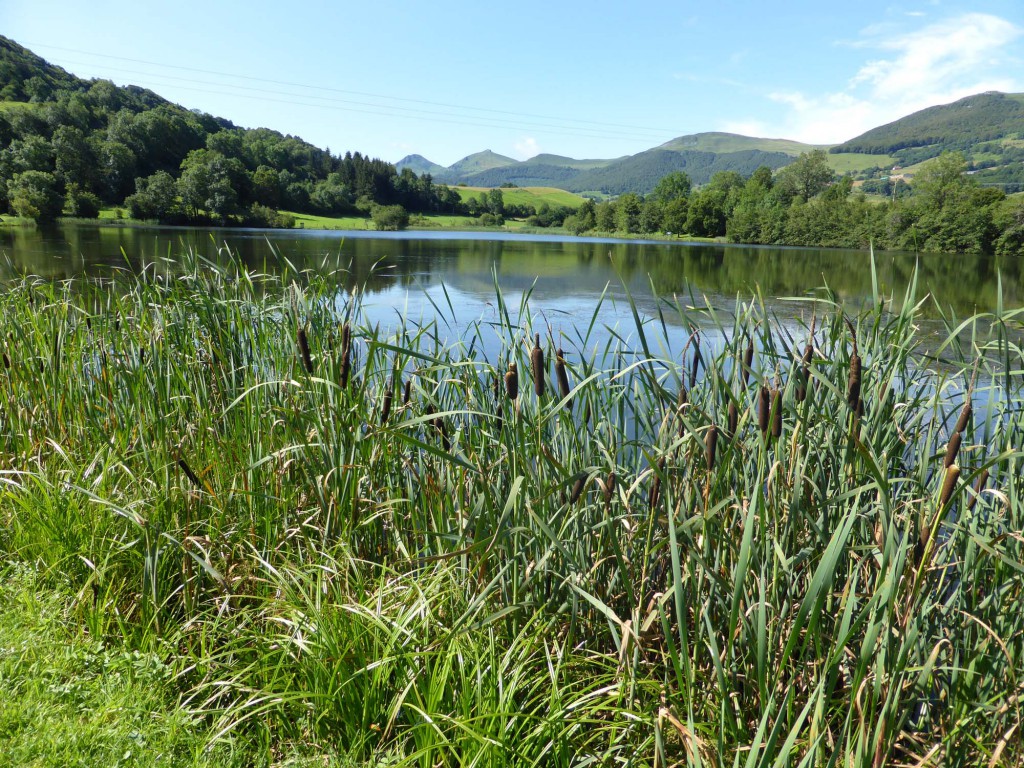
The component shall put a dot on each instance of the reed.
(537, 366)
(411, 586)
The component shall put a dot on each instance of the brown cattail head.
(307, 360)
(979, 486)
(192, 477)
(696, 359)
(438, 423)
(562, 377)
(346, 354)
(609, 487)
(407, 392)
(776, 414)
(734, 418)
(681, 397)
(385, 408)
(579, 484)
(711, 446)
(763, 406)
(853, 383)
(965, 417)
(748, 361)
(949, 484)
(952, 449)
(537, 366)
(512, 381)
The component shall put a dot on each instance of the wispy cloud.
(936, 64)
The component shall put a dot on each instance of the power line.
(394, 110)
(660, 131)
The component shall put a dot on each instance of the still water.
(449, 277)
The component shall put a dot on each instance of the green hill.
(419, 165)
(527, 195)
(722, 143)
(962, 125)
(477, 162)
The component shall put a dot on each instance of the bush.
(390, 218)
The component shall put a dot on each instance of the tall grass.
(617, 568)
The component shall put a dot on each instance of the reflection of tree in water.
(551, 268)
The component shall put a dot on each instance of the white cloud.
(526, 148)
(936, 64)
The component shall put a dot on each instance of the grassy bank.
(388, 550)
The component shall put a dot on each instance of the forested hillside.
(69, 146)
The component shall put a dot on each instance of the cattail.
(346, 354)
(577, 487)
(696, 359)
(537, 366)
(499, 418)
(776, 414)
(763, 404)
(438, 423)
(563, 378)
(734, 418)
(952, 449)
(512, 381)
(748, 361)
(609, 487)
(193, 478)
(307, 360)
(949, 484)
(979, 486)
(804, 376)
(407, 392)
(853, 384)
(681, 397)
(385, 409)
(965, 416)
(711, 446)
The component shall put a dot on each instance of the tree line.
(806, 204)
(97, 144)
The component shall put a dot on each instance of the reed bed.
(790, 548)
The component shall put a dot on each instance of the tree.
(496, 202)
(80, 203)
(806, 176)
(627, 217)
(156, 197)
(674, 186)
(34, 195)
(604, 217)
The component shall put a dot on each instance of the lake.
(449, 276)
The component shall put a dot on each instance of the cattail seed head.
(385, 409)
(776, 414)
(346, 354)
(734, 418)
(609, 487)
(748, 361)
(965, 417)
(696, 360)
(307, 360)
(537, 366)
(853, 383)
(577, 487)
(562, 377)
(407, 392)
(711, 446)
(949, 484)
(952, 449)
(979, 486)
(512, 381)
(763, 406)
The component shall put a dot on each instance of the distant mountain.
(480, 161)
(419, 165)
(633, 173)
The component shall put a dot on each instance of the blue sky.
(596, 79)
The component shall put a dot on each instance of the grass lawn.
(526, 195)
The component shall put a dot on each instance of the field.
(844, 162)
(526, 195)
(779, 546)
